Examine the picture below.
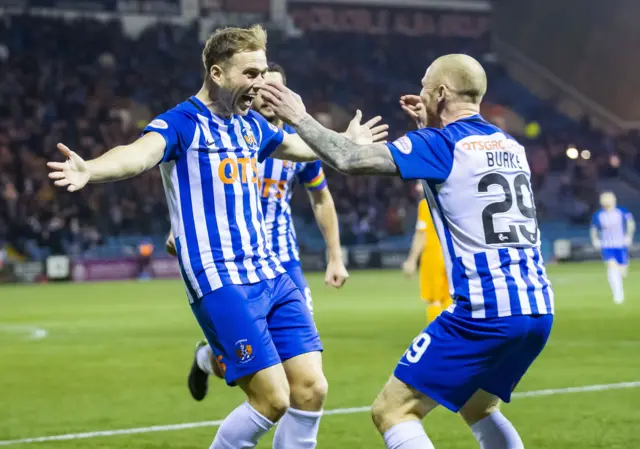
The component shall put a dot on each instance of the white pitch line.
(337, 411)
(35, 333)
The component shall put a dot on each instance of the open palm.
(366, 133)
(72, 173)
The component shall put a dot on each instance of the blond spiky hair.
(226, 42)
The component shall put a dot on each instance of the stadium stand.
(104, 91)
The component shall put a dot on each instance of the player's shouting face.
(235, 62)
(239, 79)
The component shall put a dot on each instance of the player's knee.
(272, 401)
(378, 411)
(275, 404)
(309, 393)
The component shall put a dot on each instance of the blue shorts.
(620, 255)
(252, 327)
(456, 356)
(294, 270)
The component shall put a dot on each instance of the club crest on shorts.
(244, 351)
(249, 138)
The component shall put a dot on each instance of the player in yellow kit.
(434, 286)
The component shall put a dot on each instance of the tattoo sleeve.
(343, 154)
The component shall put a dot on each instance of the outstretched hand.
(367, 133)
(72, 173)
(414, 107)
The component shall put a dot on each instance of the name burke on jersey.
(503, 159)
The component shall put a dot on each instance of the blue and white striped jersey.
(612, 226)
(477, 183)
(210, 176)
(278, 179)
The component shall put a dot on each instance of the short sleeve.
(312, 176)
(423, 154)
(595, 221)
(270, 136)
(173, 127)
(423, 210)
(628, 216)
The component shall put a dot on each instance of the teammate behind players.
(477, 184)
(277, 180)
(425, 247)
(254, 316)
(612, 230)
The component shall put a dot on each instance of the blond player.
(478, 187)
(612, 230)
(434, 285)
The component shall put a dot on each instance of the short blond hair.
(226, 42)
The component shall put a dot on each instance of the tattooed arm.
(343, 154)
(338, 151)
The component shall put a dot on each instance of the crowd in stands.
(87, 84)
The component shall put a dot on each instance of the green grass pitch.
(116, 356)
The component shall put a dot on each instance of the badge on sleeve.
(160, 124)
(404, 144)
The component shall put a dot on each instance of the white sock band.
(297, 429)
(496, 432)
(241, 429)
(407, 435)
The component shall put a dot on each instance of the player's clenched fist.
(72, 173)
(170, 245)
(336, 274)
(414, 107)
